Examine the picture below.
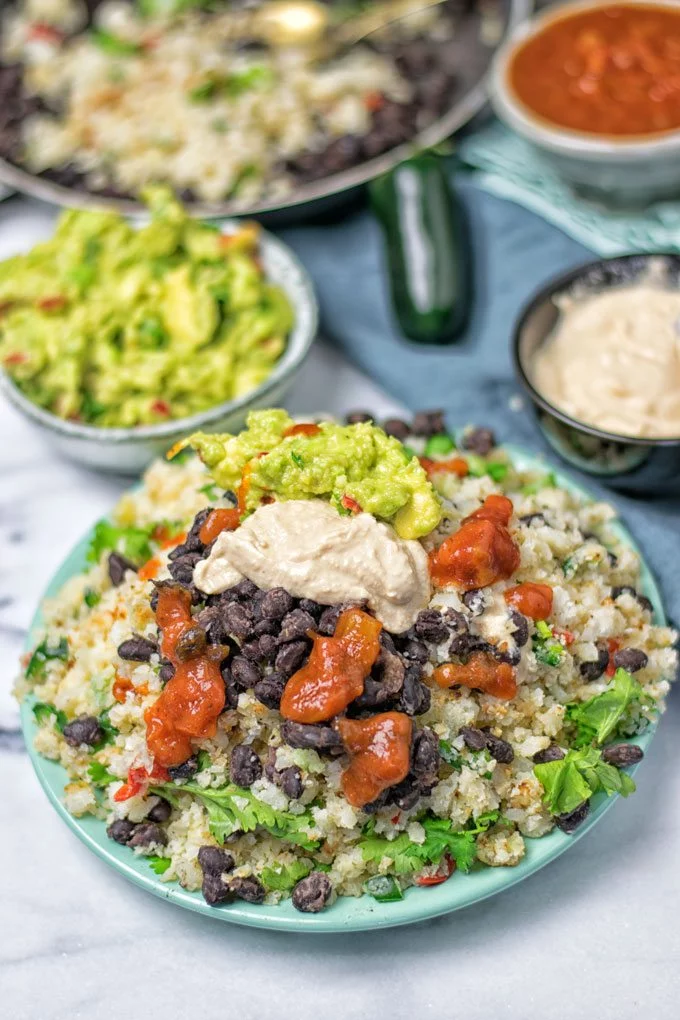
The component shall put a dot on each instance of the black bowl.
(647, 467)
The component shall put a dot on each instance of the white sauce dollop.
(308, 548)
(614, 361)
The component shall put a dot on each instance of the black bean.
(372, 696)
(511, 656)
(474, 738)
(251, 650)
(320, 738)
(147, 834)
(290, 657)
(462, 645)
(215, 890)
(479, 440)
(622, 755)
(569, 823)
(295, 625)
(269, 690)
(314, 609)
(426, 755)
(428, 423)
(312, 893)
(499, 749)
(551, 753)
(166, 672)
(248, 889)
(328, 620)
(268, 647)
(520, 628)
(290, 780)
(237, 620)
(187, 770)
(631, 659)
(245, 589)
(415, 697)
(357, 417)
(137, 649)
(191, 643)
(121, 830)
(415, 651)
(390, 671)
(430, 626)
(266, 628)
(83, 730)
(456, 621)
(192, 543)
(405, 794)
(213, 860)
(474, 601)
(276, 603)
(118, 567)
(643, 601)
(244, 766)
(594, 670)
(434, 91)
(231, 689)
(528, 519)
(397, 428)
(160, 812)
(182, 569)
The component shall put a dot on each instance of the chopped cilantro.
(297, 459)
(407, 856)
(231, 807)
(548, 481)
(569, 567)
(546, 648)
(283, 877)
(598, 718)
(99, 774)
(384, 889)
(201, 93)
(42, 712)
(113, 45)
(109, 730)
(159, 865)
(152, 334)
(576, 777)
(91, 597)
(210, 490)
(203, 759)
(45, 653)
(452, 757)
(131, 542)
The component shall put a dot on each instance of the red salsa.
(610, 70)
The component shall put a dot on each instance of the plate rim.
(347, 914)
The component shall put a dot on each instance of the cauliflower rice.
(497, 805)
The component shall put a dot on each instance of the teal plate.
(350, 913)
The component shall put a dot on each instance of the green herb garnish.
(210, 490)
(131, 542)
(546, 648)
(598, 718)
(99, 774)
(91, 597)
(42, 712)
(159, 865)
(548, 481)
(440, 839)
(452, 757)
(230, 808)
(284, 877)
(114, 45)
(43, 654)
(576, 777)
(439, 445)
(297, 459)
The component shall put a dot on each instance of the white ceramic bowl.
(622, 172)
(128, 450)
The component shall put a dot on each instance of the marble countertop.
(595, 934)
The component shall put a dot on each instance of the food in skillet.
(112, 325)
(335, 659)
(112, 96)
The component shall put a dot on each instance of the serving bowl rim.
(552, 136)
(300, 340)
(547, 293)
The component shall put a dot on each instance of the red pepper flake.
(40, 31)
(161, 407)
(565, 636)
(52, 304)
(450, 867)
(350, 504)
(374, 101)
(613, 645)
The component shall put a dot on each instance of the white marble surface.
(595, 935)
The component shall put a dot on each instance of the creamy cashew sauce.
(614, 361)
(308, 548)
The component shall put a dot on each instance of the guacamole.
(354, 466)
(115, 326)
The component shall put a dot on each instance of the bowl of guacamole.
(117, 338)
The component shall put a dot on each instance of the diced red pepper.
(302, 429)
(613, 645)
(40, 31)
(161, 407)
(454, 465)
(350, 504)
(450, 867)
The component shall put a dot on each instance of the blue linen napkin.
(515, 253)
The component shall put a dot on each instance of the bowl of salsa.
(595, 87)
